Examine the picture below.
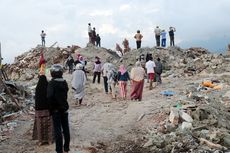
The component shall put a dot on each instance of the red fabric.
(137, 89)
(42, 59)
(151, 76)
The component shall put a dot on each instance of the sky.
(198, 23)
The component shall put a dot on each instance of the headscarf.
(79, 66)
(122, 69)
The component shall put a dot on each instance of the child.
(57, 97)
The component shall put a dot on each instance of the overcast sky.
(202, 23)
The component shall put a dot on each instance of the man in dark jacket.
(158, 70)
(57, 91)
(98, 41)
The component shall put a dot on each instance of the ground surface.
(103, 122)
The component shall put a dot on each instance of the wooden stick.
(211, 145)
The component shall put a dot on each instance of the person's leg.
(173, 41)
(94, 76)
(58, 132)
(66, 133)
(105, 84)
(158, 41)
(99, 77)
(80, 101)
(99, 44)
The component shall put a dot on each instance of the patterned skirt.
(43, 127)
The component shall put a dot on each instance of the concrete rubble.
(200, 122)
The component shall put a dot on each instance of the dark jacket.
(40, 94)
(70, 62)
(159, 68)
(57, 95)
(124, 77)
(171, 33)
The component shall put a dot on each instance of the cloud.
(101, 13)
(108, 29)
(125, 7)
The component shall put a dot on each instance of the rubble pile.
(199, 122)
(182, 62)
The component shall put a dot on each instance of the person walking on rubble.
(123, 78)
(70, 63)
(78, 83)
(137, 81)
(171, 35)
(157, 32)
(138, 36)
(43, 35)
(158, 70)
(43, 125)
(112, 80)
(105, 70)
(150, 65)
(97, 70)
(57, 92)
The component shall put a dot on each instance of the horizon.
(198, 23)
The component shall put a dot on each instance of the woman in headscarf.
(78, 83)
(123, 77)
(137, 81)
(43, 129)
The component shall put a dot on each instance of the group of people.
(160, 36)
(94, 38)
(51, 105)
(51, 110)
(113, 77)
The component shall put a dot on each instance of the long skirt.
(137, 90)
(43, 127)
(123, 88)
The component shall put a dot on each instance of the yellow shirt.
(138, 37)
(137, 74)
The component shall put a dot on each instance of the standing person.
(97, 70)
(70, 63)
(43, 36)
(94, 36)
(123, 77)
(150, 65)
(163, 38)
(157, 32)
(138, 36)
(137, 81)
(90, 32)
(43, 128)
(105, 70)
(171, 35)
(112, 80)
(158, 70)
(98, 41)
(57, 92)
(78, 83)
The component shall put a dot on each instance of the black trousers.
(98, 75)
(138, 44)
(172, 41)
(106, 84)
(61, 127)
(158, 41)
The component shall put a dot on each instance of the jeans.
(163, 42)
(138, 44)
(98, 75)
(61, 128)
(43, 41)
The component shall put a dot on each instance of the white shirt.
(89, 29)
(150, 66)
